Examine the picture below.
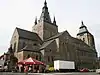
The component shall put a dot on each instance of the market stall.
(32, 65)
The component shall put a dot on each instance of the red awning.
(31, 61)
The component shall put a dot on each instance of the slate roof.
(82, 29)
(57, 35)
(81, 43)
(30, 47)
(45, 14)
(27, 34)
(45, 44)
(50, 40)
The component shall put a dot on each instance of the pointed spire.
(82, 29)
(82, 24)
(45, 14)
(54, 21)
(45, 4)
(35, 21)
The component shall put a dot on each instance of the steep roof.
(45, 14)
(50, 40)
(57, 35)
(82, 29)
(81, 43)
(45, 44)
(30, 47)
(27, 34)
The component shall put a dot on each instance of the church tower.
(86, 36)
(44, 27)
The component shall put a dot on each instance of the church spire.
(54, 21)
(45, 4)
(82, 24)
(45, 14)
(35, 21)
(82, 29)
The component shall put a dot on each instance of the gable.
(27, 34)
(45, 44)
(59, 35)
(30, 47)
(15, 36)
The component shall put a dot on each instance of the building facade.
(46, 44)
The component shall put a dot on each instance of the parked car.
(98, 71)
(92, 70)
(84, 70)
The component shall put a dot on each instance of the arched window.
(14, 46)
(84, 39)
(28, 56)
(52, 58)
(24, 44)
(36, 57)
(40, 57)
(48, 59)
(35, 44)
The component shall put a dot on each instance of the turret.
(86, 36)
(54, 21)
(45, 28)
(35, 21)
(45, 14)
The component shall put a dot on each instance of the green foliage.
(51, 69)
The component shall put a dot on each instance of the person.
(26, 69)
(43, 68)
(22, 68)
(30, 69)
(17, 69)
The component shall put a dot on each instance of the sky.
(68, 14)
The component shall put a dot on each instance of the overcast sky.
(68, 13)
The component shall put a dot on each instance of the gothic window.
(35, 44)
(46, 18)
(15, 46)
(84, 39)
(48, 59)
(28, 56)
(36, 57)
(52, 58)
(40, 57)
(23, 44)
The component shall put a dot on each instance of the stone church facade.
(46, 44)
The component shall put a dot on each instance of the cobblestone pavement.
(89, 73)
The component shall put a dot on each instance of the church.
(46, 44)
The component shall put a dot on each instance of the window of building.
(36, 57)
(35, 44)
(48, 59)
(40, 57)
(52, 58)
(14, 46)
(84, 39)
(28, 56)
(24, 44)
